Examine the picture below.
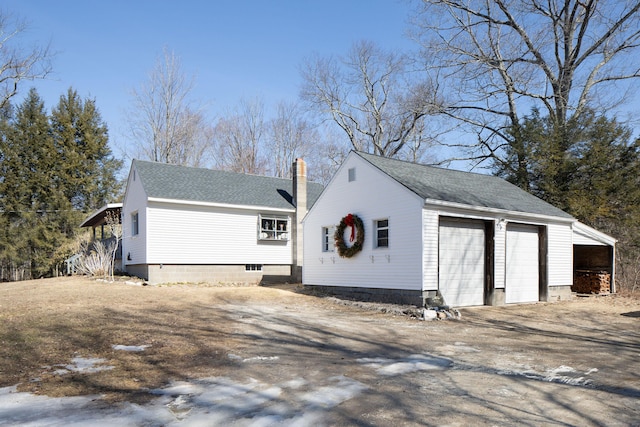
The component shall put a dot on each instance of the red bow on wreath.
(348, 220)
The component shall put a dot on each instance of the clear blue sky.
(234, 48)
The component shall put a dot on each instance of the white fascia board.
(594, 234)
(100, 211)
(497, 212)
(218, 205)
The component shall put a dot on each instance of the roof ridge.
(207, 169)
(460, 187)
(179, 182)
(409, 162)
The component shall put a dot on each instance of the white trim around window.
(135, 223)
(273, 227)
(381, 227)
(328, 242)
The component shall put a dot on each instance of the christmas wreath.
(356, 237)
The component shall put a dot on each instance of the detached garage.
(389, 230)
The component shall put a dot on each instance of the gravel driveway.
(276, 356)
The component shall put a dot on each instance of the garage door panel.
(461, 261)
(522, 269)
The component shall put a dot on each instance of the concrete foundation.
(560, 293)
(391, 296)
(423, 298)
(215, 274)
(497, 297)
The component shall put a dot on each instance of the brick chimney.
(299, 170)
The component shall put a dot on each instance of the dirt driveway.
(185, 355)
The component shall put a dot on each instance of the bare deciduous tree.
(114, 225)
(239, 137)
(372, 96)
(290, 137)
(498, 59)
(18, 63)
(165, 123)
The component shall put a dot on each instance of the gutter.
(219, 205)
(498, 212)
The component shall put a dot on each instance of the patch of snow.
(332, 395)
(562, 374)
(224, 401)
(260, 358)
(413, 363)
(209, 401)
(83, 365)
(252, 359)
(130, 347)
(25, 409)
(133, 283)
(295, 383)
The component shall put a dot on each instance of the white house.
(435, 236)
(184, 224)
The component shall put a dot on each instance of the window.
(382, 233)
(134, 224)
(352, 174)
(253, 267)
(328, 242)
(273, 228)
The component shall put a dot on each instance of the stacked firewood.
(591, 282)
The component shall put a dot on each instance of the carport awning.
(99, 217)
(585, 235)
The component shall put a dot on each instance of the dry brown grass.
(192, 329)
(44, 324)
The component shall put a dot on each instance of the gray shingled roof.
(175, 182)
(467, 188)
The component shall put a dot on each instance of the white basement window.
(273, 228)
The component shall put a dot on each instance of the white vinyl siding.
(499, 252)
(396, 267)
(581, 239)
(134, 247)
(185, 234)
(523, 267)
(430, 252)
(559, 255)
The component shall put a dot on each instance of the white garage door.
(461, 262)
(522, 264)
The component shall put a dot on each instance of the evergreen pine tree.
(30, 200)
(53, 171)
(591, 169)
(87, 164)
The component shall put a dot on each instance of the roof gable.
(466, 188)
(174, 182)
